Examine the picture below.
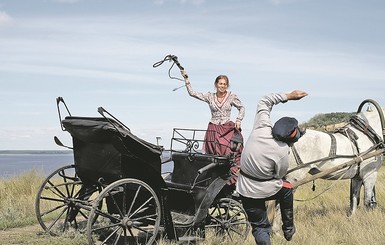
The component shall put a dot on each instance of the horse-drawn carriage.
(117, 194)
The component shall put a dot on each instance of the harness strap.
(365, 128)
(332, 152)
(296, 155)
(351, 135)
(362, 126)
(333, 146)
(252, 177)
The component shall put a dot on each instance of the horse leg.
(373, 200)
(370, 192)
(274, 215)
(355, 188)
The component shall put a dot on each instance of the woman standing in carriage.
(220, 128)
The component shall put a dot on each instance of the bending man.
(264, 162)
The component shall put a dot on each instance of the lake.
(13, 164)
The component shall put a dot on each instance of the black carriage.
(117, 194)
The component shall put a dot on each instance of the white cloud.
(4, 18)
(192, 2)
(280, 2)
(66, 1)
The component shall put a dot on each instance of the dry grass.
(323, 220)
(17, 199)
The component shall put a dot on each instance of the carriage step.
(181, 219)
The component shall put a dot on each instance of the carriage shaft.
(356, 160)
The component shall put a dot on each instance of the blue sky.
(100, 53)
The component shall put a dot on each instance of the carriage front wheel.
(132, 214)
(227, 217)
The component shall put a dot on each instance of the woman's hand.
(238, 125)
(184, 74)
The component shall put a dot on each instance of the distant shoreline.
(36, 151)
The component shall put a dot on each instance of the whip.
(174, 60)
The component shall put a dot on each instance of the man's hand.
(296, 95)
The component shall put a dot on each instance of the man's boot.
(288, 226)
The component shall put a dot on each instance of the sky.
(101, 53)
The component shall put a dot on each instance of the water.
(14, 164)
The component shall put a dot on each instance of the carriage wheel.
(132, 214)
(63, 202)
(226, 216)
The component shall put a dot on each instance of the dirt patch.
(17, 235)
(34, 234)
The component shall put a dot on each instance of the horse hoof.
(371, 206)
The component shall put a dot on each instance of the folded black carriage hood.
(99, 129)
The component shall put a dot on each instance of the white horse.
(317, 151)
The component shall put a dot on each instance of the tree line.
(328, 121)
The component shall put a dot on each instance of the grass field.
(322, 220)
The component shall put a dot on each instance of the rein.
(328, 158)
(322, 192)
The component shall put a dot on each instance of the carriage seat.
(186, 166)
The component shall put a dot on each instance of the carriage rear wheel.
(132, 214)
(228, 218)
(63, 202)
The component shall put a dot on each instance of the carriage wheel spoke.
(141, 209)
(55, 190)
(57, 219)
(111, 195)
(134, 199)
(109, 236)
